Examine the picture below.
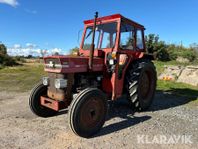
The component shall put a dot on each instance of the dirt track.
(169, 115)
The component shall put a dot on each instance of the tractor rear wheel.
(34, 101)
(141, 84)
(88, 112)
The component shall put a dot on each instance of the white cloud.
(16, 46)
(31, 49)
(12, 3)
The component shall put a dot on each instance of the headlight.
(111, 61)
(45, 81)
(60, 83)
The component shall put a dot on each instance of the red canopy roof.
(111, 17)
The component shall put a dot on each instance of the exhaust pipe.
(92, 43)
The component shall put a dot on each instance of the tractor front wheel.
(34, 101)
(88, 112)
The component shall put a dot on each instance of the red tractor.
(112, 61)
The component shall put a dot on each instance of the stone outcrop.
(188, 74)
(182, 60)
(171, 72)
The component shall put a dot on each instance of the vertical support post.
(92, 43)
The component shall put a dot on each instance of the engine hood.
(71, 64)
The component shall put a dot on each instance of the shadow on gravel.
(163, 100)
(121, 109)
(172, 98)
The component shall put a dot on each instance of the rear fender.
(117, 81)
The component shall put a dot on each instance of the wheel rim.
(145, 85)
(91, 113)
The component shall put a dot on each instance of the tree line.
(167, 52)
(5, 59)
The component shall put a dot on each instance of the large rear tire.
(141, 84)
(88, 112)
(34, 101)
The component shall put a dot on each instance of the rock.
(189, 75)
(171, 73)
(182, 60)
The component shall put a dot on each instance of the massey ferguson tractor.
(112, 61)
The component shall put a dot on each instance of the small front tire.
(34, 101)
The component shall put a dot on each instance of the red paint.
(106, 18)
(50, 103)
(75, 64)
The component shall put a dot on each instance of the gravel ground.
(168, 116)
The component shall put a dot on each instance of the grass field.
(23, 78)
(20, 78)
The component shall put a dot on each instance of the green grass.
(176, 88)
(20, 78)
(179, 89)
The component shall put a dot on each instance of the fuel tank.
(71, 64)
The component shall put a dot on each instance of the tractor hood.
(71, 64)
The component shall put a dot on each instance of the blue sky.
(54, 24)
